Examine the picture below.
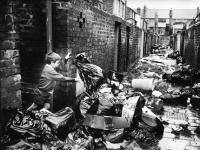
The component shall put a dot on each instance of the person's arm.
(70, 79)
(59, 77)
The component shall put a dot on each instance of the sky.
(164, 4)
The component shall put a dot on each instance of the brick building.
(190, 42)
(111, 34)
(166, 22)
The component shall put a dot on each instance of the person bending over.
(47, 82)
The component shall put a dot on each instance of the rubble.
(117, 111)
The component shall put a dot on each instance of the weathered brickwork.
(10, 88)
(85, 28)
(22, 48)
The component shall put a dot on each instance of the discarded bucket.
(143, 84)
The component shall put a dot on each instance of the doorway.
(117, 47)
(127, 48)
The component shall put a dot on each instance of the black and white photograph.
(100, 74)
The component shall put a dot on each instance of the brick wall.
(85, 28)
(10, 93)
(191, 51)
(22, 48)
(197, 44)
(9, 58)
(95, 35)
(189, 46)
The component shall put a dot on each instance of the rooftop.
(177, 13)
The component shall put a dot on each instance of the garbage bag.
(143, 138)
(174, 55)
(80, 139)
(156, 105)
(116, 76)
(29, 131)
(187, 91)
(196, 89)
(187, 79)
(195, 101)
(167, 76)
(88, 105)
(181, 77)
(174, 99)
(92, 75)
(23, 124)
(21, 145)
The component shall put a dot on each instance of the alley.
(182, 118)
(120, 114)
(99, 75)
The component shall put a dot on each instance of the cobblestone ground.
(177, 116)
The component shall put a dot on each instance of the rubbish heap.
(115, 111)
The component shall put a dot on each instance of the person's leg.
(47, 106)
(32, 107)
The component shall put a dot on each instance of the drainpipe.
(125, 9)
(49, 25)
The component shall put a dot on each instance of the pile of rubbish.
(176, 55)
(112, 115)
(157, 49)
(114, 111)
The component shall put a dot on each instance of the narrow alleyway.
(168, 120)
(183, 119)
(132, 75)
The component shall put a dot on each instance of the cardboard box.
(112, 122)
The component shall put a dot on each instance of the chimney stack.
(198, 11)
(170, 17)
(170, 13)
(156, 19)
(138, 11)
(144, 11)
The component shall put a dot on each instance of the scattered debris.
(117, 110)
